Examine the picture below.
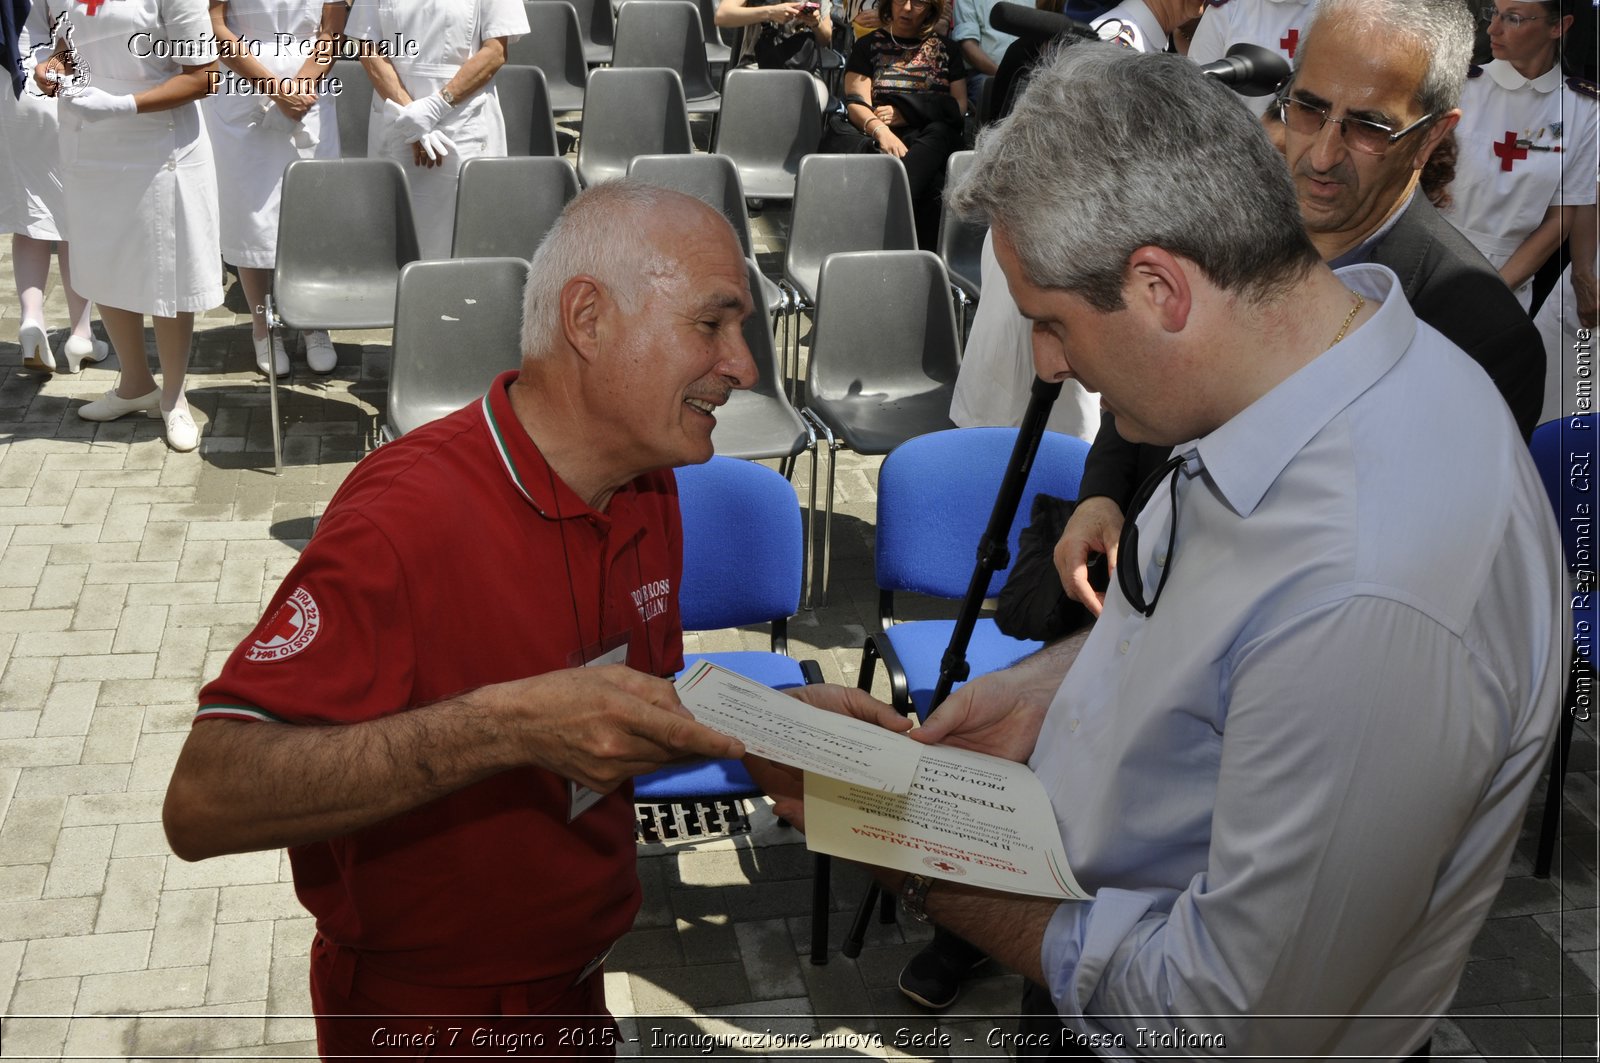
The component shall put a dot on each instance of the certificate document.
(968, 817)
(884, 799)
(771, 724)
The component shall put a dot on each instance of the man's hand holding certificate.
(877, 796)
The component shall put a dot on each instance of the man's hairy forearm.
(1007, 926)
(241, 787)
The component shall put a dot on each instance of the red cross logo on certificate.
(1509, 153)
(92, 5)
(1290, 42)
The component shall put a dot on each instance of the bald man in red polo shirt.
(443, 704)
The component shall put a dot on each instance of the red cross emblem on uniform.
(92, 5)
(1290, 42)
(286, 625)
(1508, 152)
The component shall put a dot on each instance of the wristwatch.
(914, 896)
(447, 96)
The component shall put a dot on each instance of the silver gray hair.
(603, 233)
(1440, 30)
(1109, 150)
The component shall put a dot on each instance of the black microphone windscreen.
(1028, 22)
(1250, 70)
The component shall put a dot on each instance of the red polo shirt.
(452, 559)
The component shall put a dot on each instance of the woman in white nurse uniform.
(141, 192)
(433, 101)
(33, 207)
(282, 47)
(1526, 144)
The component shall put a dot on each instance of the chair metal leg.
(961, 315)
(274, 323)
(827, 520)
(858, 926)
(821, 875)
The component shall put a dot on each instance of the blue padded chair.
(1563, 451)
(742, 565)
(935, 494)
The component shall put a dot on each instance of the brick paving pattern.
(127, 573)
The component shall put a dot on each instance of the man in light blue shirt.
(982, 46)
(1292, 756)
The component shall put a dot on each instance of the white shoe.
(320, 355)
(35, 347)
(78, 350)
(182, 434)
(110, 406)
(280, 357)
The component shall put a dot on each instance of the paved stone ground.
(127, 572)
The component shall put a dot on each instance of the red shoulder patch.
(287, 631)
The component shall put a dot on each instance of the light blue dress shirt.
(1294, 789)
(971, 23)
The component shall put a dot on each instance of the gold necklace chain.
(1361, 301)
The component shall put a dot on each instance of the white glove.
(91, 104)
(436, 145)
(419, 117)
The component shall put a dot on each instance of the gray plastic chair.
(884, 357)
(457, 325)
(718, 53)
(596, 28)
(769, 122)
(842, 203)
(628, 113)
(352, 107)
(760, 423)
(961, 241)
(961, 245)
(712, 179)
(345, 232)
(504, 207)
(652, 33)
(553, 45)
(525, 103)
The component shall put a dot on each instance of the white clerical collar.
(1505, 75)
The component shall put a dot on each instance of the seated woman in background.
(905, 88)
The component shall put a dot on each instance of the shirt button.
(1073, 726)
(1161, 559)
(1123, 648)
(171, 165)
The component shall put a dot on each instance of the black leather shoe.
(933, 976)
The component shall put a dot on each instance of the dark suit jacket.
(1450, 286)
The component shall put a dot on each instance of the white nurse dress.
(141, 189)
(429, 42)
(1522, 147)
(252, 140)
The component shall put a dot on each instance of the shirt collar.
(1506, 76)
(1152, 36)
(521, 460)
(1245, 456)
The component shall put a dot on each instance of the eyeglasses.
(1129, 578)
(1511, 18)
(1372, 138)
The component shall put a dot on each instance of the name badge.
(580, 798)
